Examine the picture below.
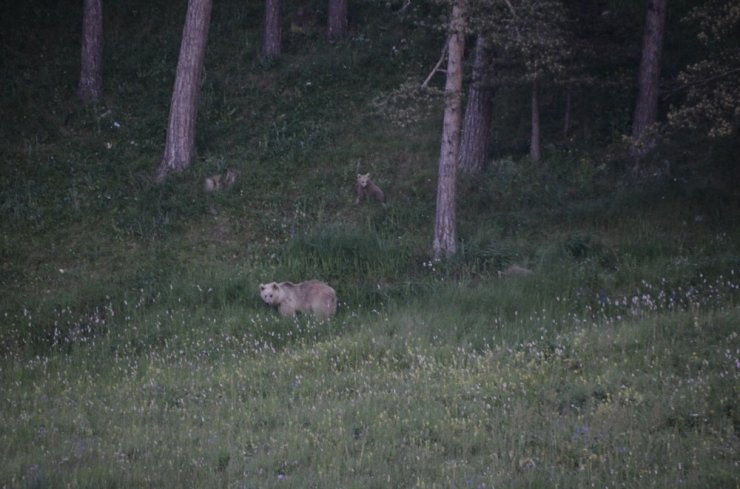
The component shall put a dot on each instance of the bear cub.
(366, 189)
(310, 297)
(218, 182)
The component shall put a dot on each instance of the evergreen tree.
(648, 80)
(538, 37)
(272, 36)
(710, 86)
(337, 22)
(476, 132)
(445, 223)
(90, 88)
(179, 149)
(532, 48)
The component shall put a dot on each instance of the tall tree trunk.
(272, 41)
(476, 132)
(567, 113)
(337, 23)
(535, 145)
(445, 223)
(648, 78)
(179, 148)
(90, 88)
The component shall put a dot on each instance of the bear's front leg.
(286, 310)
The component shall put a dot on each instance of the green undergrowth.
(212, 397)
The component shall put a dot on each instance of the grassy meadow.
(135, 350)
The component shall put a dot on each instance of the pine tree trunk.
(180, 145)
(272, 42)
(535, 145)
(567, 114)
(445, 233)
(476, 132)
(646, 105)
(337, 24)
(90, 88)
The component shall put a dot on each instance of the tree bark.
(337, 23)
(445, 223)
(272, 41)
(90, 88)
(648, 78)
(567, 113)
(180, 144)
(476, 132)
(535, 145)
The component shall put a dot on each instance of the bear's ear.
(274, 286)
(262, 286)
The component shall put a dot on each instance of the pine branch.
(700, 83)
(437, 66)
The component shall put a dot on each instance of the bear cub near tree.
(310, 297)
(217, 182)
(366, 189)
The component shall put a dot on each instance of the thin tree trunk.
(646, 105)
(90, 88)
(337, 24)
(272, 42)
(535, 145)
(476, 132)
(445, 223)
(568, 113)
(180, 145)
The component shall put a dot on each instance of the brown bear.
(366, 189)
(310, 297)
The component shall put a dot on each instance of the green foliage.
(562, 397)
(344, 252)
(710, 83)
(528, 32)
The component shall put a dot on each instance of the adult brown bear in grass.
(310, 297)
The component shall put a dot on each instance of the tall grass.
(643, 397)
